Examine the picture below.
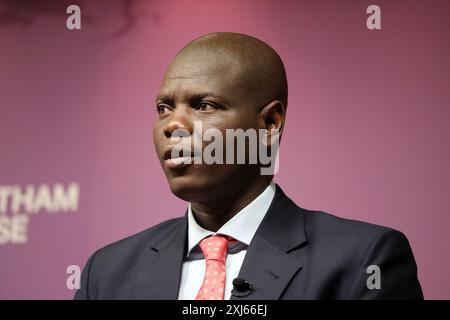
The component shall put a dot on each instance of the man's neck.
(212, 215)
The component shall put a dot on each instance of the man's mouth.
(177, 158)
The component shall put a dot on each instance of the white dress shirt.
(241, 227)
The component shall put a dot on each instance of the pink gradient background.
(367, 133)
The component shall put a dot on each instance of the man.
(241, 237)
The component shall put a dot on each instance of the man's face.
(206, 88)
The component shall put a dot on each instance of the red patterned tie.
(215, 251)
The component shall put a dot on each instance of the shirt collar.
(241, 227)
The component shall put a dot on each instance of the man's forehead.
(202, 66)
(199, 78)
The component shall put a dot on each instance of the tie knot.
(215, 247)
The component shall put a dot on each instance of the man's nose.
(179, 123)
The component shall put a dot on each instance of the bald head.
(253, 69)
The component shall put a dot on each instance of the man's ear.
(272, 116)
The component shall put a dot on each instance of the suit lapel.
(161, 269)
(275, 253)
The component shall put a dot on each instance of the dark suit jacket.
(295, 254)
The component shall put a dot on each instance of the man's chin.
(189, 189)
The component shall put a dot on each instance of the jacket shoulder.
(131, 245)
(327, 223)
(100, 278)
(348, 236)
(344, 253)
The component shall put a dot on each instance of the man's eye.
(205, 106)
(162, 109)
